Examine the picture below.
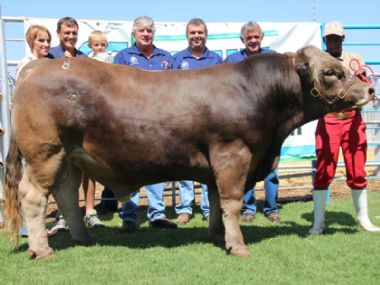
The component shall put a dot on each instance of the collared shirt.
(59, 52)
(160, 59)
(186, 60)
(242, 54)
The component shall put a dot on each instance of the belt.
(342, 115)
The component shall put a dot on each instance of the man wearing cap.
(343, 129)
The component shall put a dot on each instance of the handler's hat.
(334, 28)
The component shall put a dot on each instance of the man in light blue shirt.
(251, 35)
(143, 54)
(196, 55)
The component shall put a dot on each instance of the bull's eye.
(330, 73)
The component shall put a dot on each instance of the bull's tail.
(13, 175)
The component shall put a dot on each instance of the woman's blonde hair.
(32, 33)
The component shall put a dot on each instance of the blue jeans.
(186, 195)
(271, 192)
(156, 206)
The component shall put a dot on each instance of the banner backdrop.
(223, 38)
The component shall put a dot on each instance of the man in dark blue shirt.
(67, 32)
(143, 54)
(251, 35)
(196, 55)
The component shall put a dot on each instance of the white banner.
(223, 38)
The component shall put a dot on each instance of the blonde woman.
(39, 39)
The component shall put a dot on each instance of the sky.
(365, 12)
(356, 12)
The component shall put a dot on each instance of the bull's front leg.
(234, 238)
(230, 163)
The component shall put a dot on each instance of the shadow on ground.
(146, 237)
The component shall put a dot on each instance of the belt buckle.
(340, 115)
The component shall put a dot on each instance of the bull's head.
(325, 78)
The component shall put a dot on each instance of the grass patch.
(283, 253)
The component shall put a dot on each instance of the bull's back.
(120, 114)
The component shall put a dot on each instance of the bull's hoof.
(88, 241)
(41, 254)
(240, 251)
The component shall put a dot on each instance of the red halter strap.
(360, 69)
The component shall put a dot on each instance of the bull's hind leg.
(66, 195)
(216, 227)
(33, 203)
(230, 163)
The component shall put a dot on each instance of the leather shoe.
(183, 219)
(163, 224)
(128, 227)
(248, 218)
(273, 216)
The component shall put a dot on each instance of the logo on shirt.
(164, 65)
(133, 61)
(184, 65)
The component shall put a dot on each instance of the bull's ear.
(302, 64)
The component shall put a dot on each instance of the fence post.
(377, 134)
(5, 114)
(173, 193)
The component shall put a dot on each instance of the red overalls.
(334, 130)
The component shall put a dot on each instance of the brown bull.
(125, 127)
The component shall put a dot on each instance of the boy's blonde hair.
(95, 35)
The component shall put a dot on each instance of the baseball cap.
(333, 28)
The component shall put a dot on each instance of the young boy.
(97, 41)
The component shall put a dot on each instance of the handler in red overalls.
(343, 129)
